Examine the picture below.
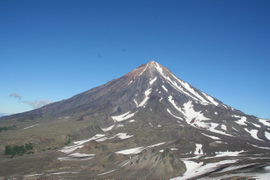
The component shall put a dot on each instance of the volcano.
(145, 124)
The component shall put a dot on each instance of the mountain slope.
(148, 115)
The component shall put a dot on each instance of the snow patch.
(75, 158)
(257, 125)
(224, 127)
(174, 115)
(172, 149)
(210, 99)
(267, 135)
(242, 121)
(135, 102)
(253, 133)
(31, 175)
(122, 136)
(152, 81)
(164, 88)
(65, 172)
(187, 86)
(147, 92)
(196, 169)
(30, 126)
(130, 82)
(265, 122)
(120, 125)
(213, 137)
(107, 129)
(191, 166)
(131, 151)
(260, 147)
(228, 153)
(198, 150)
(107, 172)
(212, 128)
(174, 104)
(123, 117)
(137, 150)
(70, 149)
(81, 155)
(191, 114)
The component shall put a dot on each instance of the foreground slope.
(145, 124)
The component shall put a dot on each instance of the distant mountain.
(145, 124)
(4, 114)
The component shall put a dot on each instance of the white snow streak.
(213, 137)
(30, 126)
(211, 99)
(257, 125)
(174, 115)
(260, 147)
(147, 92)
(253, 133)
(174, 104)
(164, 88)
(122, 136)
(81, 155)
(228, 153)
(153, 80)
(123, 117)
(135, 102)
(107, 129)
(70, 149)
(137, 149)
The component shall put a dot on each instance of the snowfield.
(196, 169)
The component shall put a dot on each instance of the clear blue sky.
(53, 49)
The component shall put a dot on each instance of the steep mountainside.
(145, 124)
